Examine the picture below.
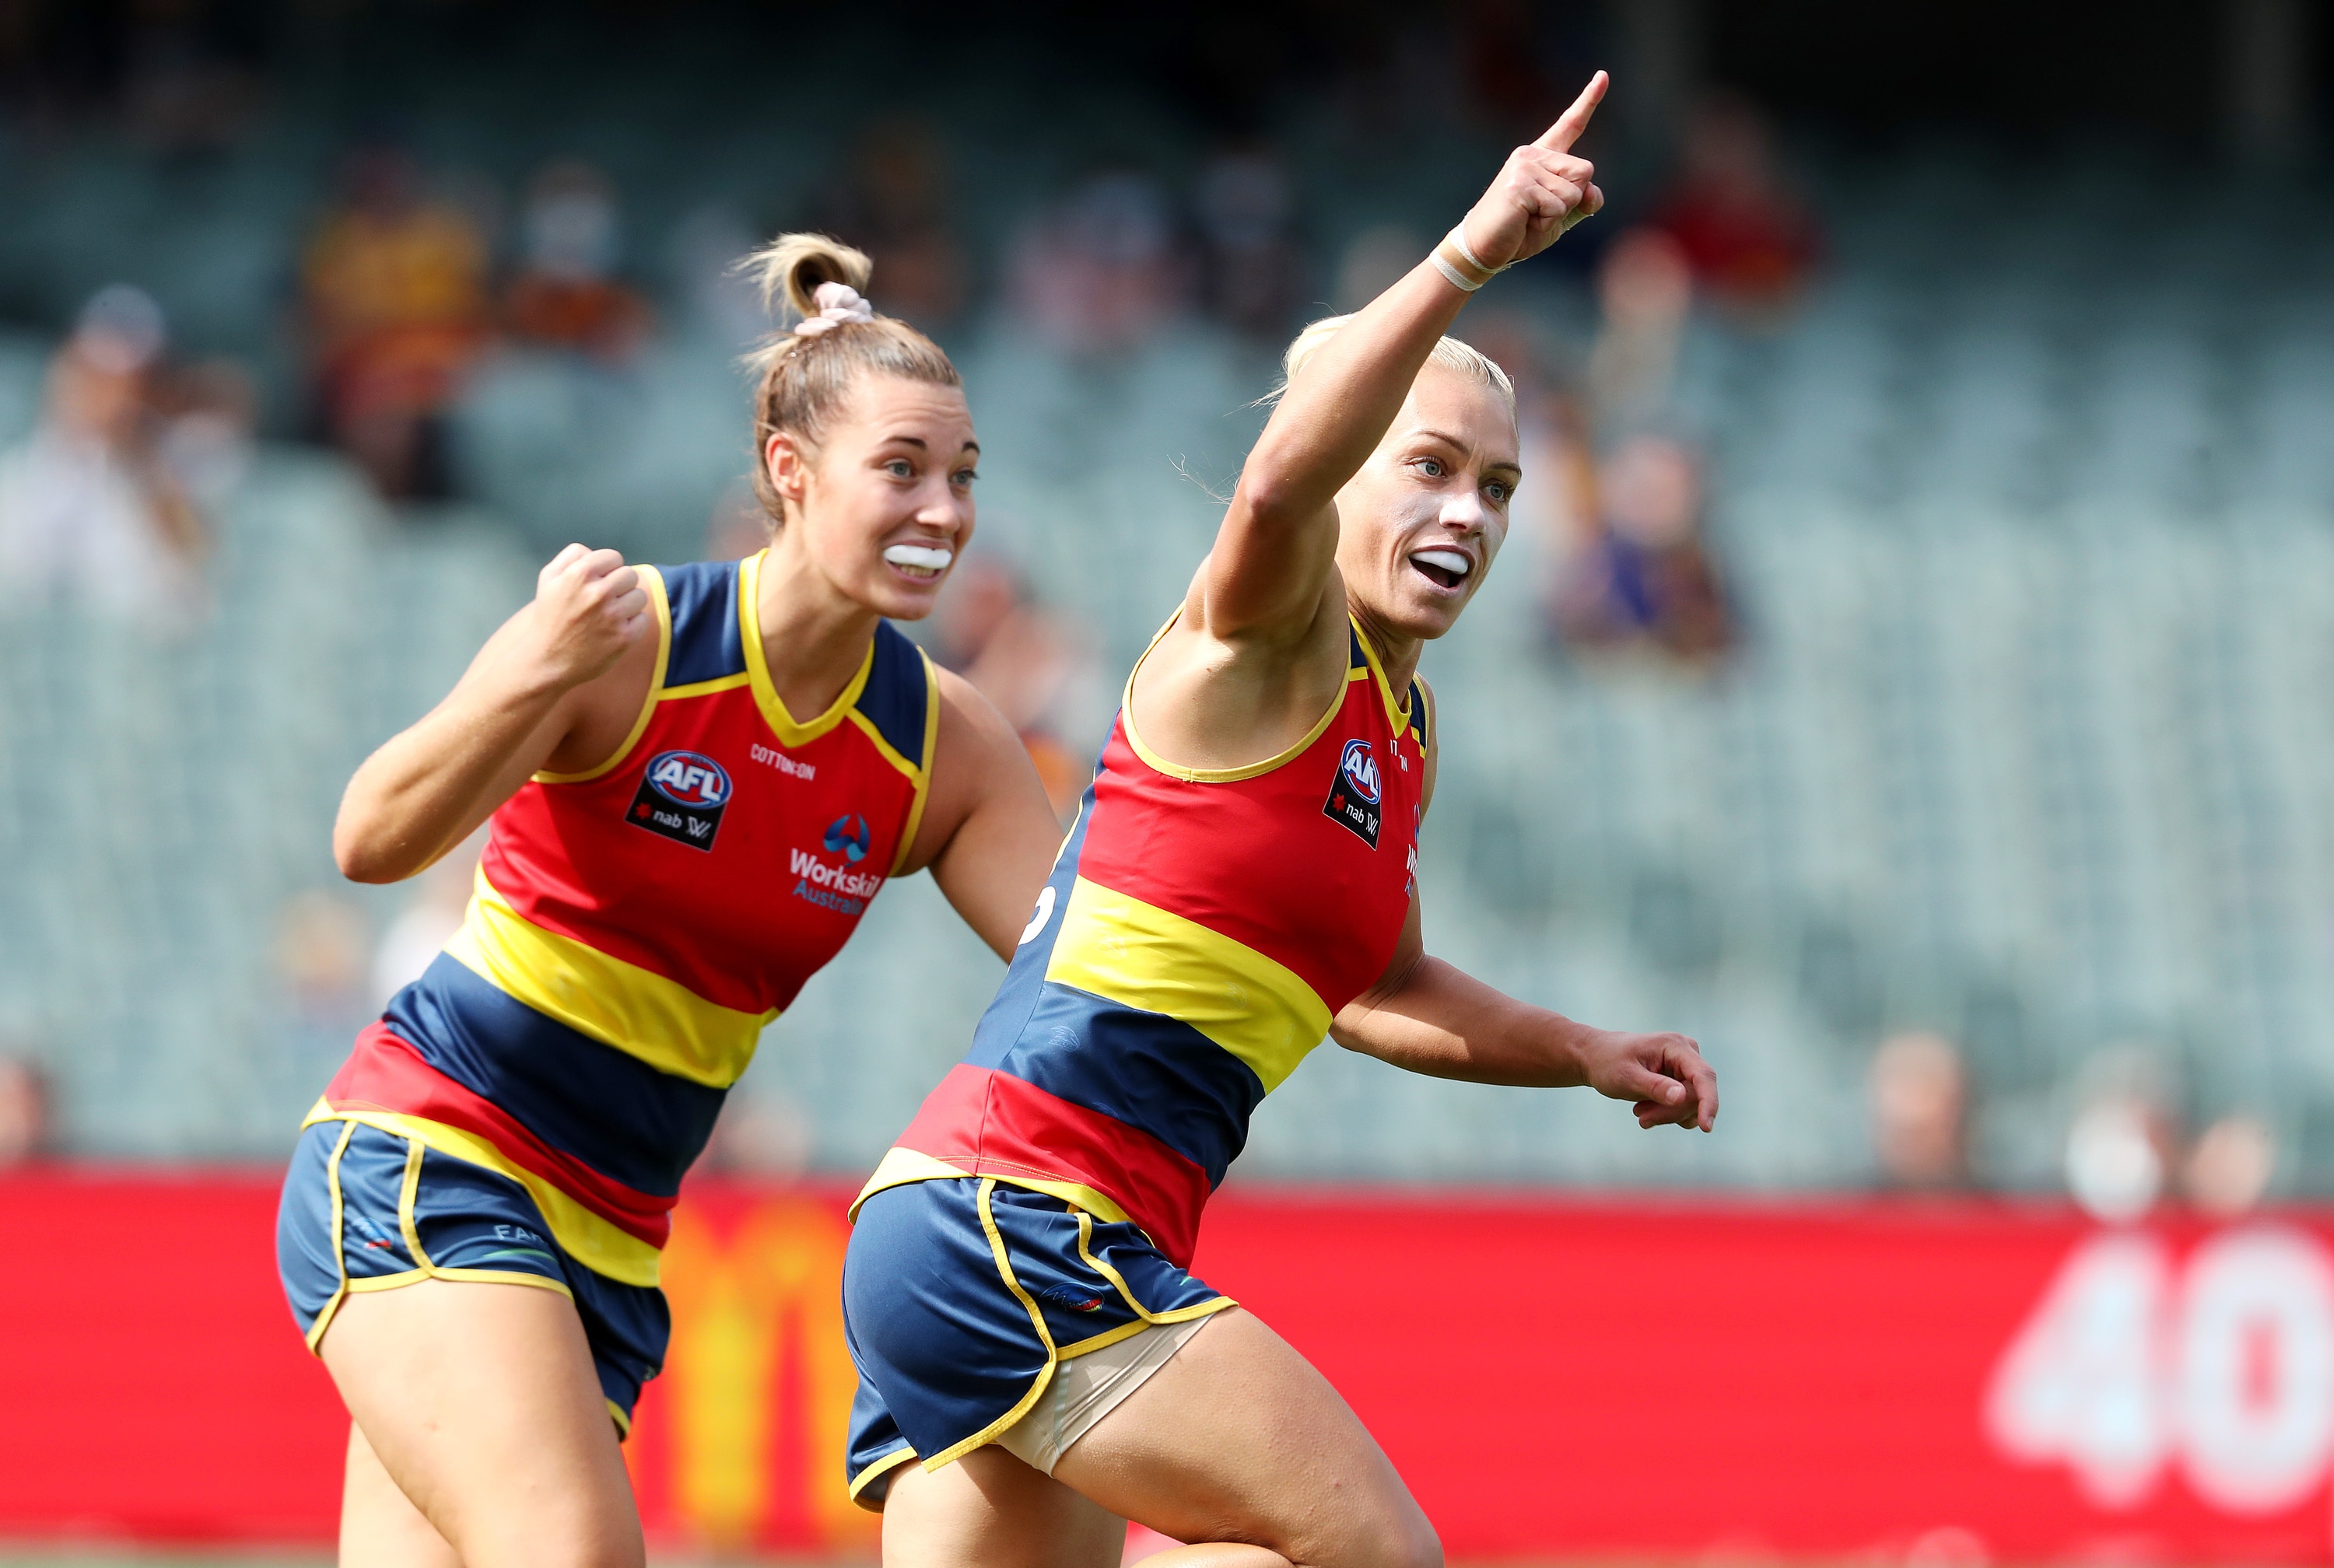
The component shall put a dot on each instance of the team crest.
(1354, 793)
(681, 797)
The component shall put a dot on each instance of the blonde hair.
(1465, 359)
(804, 380)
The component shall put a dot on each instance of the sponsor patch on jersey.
(847, 836)
(681, 797)
(1354, 793)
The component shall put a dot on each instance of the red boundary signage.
(1555, 1377)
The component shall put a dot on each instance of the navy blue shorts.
(364, 1209)
(959, 1298)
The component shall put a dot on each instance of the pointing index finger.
(1559, 137)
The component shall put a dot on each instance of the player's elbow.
(366, 854)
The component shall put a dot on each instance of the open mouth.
(920, 562)
(1446, 569)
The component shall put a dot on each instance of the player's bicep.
(990, 834)
(1266, 573)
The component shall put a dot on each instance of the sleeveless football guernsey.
(1199, 931)
(635, 927)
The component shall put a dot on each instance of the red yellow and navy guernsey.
(636, 925)
(1199, 931)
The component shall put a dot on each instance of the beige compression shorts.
(1087, 1387)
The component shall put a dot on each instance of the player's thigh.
(1238, 1439)
(379, 1525)
(989, 1510)
(483, 1405)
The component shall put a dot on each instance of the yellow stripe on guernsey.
(586, 1237)
(1130, 952)
(659, 1021)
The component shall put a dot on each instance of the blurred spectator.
(2122, 1141)
(435, 904)
(394, 290)
(1751, 240)
(23, 1112)
(1645, 289)
(90, 512)
(566, 293)
(1920, 1100)
(1253, 273)
(319, 964)
(892, 203)
(1099, 274)
(1644, 578)
(2228, 1167)
(210, 413)
(1020, 657)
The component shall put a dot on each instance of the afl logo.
(847, 835)
(1361, 771)
(686, 779)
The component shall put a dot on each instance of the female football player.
(1035, 1361)
(696, 778)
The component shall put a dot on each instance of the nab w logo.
(681, 797)
(847, 836)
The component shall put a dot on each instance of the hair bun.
(794, 266)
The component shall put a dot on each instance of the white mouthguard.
(930, 558)
(1450, 561)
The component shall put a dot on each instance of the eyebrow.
(918, 442)
(1453, 441)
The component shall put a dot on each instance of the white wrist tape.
(1458, 238)
(1458, 279)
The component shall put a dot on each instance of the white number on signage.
(2253, 1368)
(2232, 1369)
(2079, 1382)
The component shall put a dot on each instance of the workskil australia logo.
(681, 797)
(837, 886)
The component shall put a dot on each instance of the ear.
(787, 462)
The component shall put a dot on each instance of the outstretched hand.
(1664, 1074)
(1541, 190)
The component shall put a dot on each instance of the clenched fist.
(1664, 1074)
(1541, 190)
(589, 608)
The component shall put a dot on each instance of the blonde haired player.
(1037, 1362)
(696, 778)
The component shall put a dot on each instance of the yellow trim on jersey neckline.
(1116, 946)
(705, 688)
(653, 581)
(645, 1016)
(1397, 713)
(757, 668)
(584, 1236)
(904, 1167)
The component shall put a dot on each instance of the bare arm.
(1426, 1016)
(549, 685)
(988, 833)
(1269, 573)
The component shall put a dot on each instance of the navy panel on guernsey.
(706, 636)
(611, 1111)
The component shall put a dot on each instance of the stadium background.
(1974, 805)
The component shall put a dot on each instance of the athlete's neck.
(814, 638)
(1397, 653)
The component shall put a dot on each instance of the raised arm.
(987, 832)
(1269, 574)
(558, 683)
